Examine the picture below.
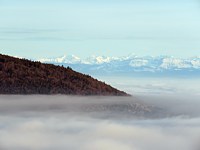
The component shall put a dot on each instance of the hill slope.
(21, 76)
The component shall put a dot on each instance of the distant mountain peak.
(130, 64)
(134, 60)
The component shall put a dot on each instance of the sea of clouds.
(65, 123)
(154, 85)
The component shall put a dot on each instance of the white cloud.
(32, 123)
(99, 134)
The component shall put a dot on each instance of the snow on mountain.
(138, 62)
(196, 63)
(131, 63)
(70, 59)
(175, 63)
(97, 60)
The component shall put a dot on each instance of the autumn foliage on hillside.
(22, 76)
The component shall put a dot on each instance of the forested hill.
(22, 76)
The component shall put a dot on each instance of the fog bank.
(88, 123)
(89, 134)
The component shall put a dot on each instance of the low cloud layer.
(66, 123)
(89, 134)
(155, 86)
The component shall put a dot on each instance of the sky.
(50, 28)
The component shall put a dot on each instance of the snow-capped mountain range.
(72, 59)
(129, 64)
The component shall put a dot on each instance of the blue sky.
(48, 28)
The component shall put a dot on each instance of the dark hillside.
(21, 76)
